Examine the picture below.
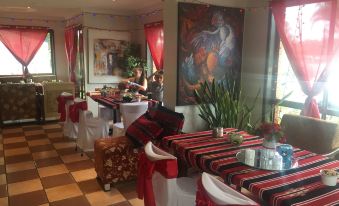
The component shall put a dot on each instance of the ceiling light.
(28, 7)
(114, 0)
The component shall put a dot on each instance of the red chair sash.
(61, 106)
(74, 110)
(168, 168)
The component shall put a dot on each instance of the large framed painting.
(209, 47)
(106, 55)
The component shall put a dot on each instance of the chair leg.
(107, 187)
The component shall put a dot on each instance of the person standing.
(156, 87)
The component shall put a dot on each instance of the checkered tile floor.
(38, 166)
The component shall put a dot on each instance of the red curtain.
(309, 32)
(23, 43)
(154, 33)
(71, 44)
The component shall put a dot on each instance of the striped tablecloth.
(114, 102)
(299, 186)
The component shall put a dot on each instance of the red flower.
(270, 130)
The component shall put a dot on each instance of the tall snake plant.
(222, 106)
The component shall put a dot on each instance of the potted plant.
(222, 106)
(133, 59)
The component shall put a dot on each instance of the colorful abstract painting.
(209, 47)
(108, 55)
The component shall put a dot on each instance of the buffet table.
(300, 185)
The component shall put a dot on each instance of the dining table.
(297, 186)
(113, 102)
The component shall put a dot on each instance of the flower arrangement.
(271, 132)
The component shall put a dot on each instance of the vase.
(270, 143)
(218, 132)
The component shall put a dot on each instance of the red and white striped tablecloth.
(299, 186)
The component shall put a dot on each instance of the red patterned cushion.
(171, 121)
(143, 130)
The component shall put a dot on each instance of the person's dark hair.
(142, 76)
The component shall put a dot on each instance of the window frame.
(273, 51)
(51, 36)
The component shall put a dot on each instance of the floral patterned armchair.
(116, 157)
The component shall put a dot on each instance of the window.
(150, 62)
(42, 63)
(328, 100)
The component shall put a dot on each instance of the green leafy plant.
(133, 59)
(222, 106)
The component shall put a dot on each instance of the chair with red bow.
(213, 192)
(90, 128)
(158, 184)
(65, 100)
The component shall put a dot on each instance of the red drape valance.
(309, 32)
(154, 33)
(23, 43)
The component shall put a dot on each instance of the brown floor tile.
(83, 175)
(51, 126)
(52, 170)
(11, 135)
(128, 190)
(63, 145)
(37, 136)
(44, 154)
(3, 190)
(34, 132)
(90, 154)
(20, 166)
(73, 158)
(22, 176)
(31, 198)
(24, 187)
(63, 192)
(54, 130)
(15, 145)
(81, 165)
(31, 127)
(1, 153)
(2, 169)
(4, 201)
(38, 142)
(67, 151)
(14, 140)
(74, 201)
(18, 158)
(57, 180)
(42, 148)
(61, 140)
(17, 151)
(126, 203)
(48, 162)
(55, 135)
(12, 130)
(3, 180)
(136, 202)
(105, 198)
(2, 160)
(90, 186)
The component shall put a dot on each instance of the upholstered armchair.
(316, 135)
(116, 157)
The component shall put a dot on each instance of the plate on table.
(267, 159)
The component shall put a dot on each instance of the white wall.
(253, 64)
(58, 26)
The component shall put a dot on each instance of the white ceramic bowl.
(329, 177)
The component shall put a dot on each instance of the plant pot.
(218, 132)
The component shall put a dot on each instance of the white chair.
(221, 194)
(129, 113)
(90, 129)
(169, 192)
(70, 129)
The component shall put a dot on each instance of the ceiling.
(68, 8)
